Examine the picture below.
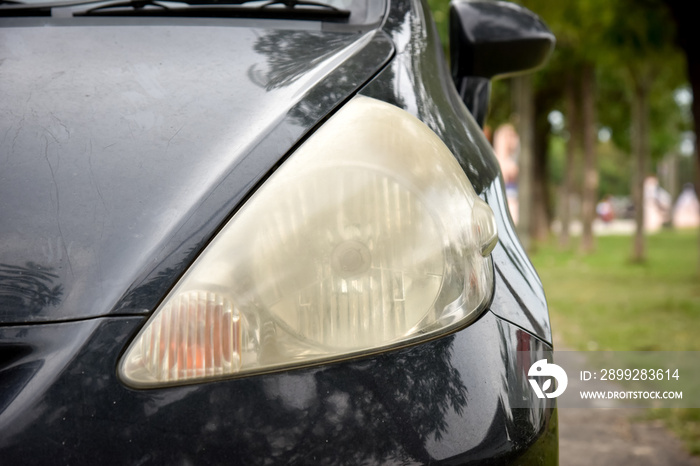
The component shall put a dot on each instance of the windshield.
(352, 12)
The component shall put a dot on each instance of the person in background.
(657, 205)
(605, 210)
(686, 212)
(506, 145)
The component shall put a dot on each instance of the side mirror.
(489, 39)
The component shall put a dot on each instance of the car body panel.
(446, 400)
(114, 161)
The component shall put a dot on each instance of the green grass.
(603, 302)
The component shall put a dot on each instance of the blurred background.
(599, 156)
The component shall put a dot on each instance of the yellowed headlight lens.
(353, 274)
(369, 237)
(197, 334)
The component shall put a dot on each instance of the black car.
(262, 233)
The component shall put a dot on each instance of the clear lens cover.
(369, 237)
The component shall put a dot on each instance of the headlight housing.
(369, 237)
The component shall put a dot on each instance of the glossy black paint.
(476, 94)
(447, 401)
(492, 38)
(117, 167)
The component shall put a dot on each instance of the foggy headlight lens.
(369, 237)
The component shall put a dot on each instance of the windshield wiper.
(275, 9)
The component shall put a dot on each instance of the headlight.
(369, 237)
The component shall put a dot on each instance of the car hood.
(124, 148)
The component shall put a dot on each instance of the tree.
(641, 33)
(590, 167)
(572, 144)
(547, 96)
(572, 23)
(632, 41)
(688, 36)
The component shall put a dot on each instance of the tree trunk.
(540, 186)
(590, 169)
(689, 38)
(572, 122)
(524, 107)
(694, 73)
(640, 153)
